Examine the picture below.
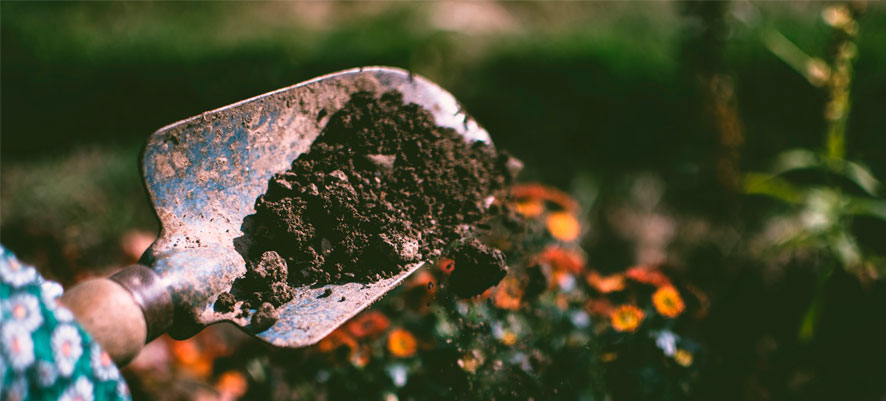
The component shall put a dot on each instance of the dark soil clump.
(381, 188)
(477, 268)
(536, 284)
(225, 303)
(264, 317)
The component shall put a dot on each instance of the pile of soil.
(382, 187)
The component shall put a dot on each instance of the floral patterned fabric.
(44, 353)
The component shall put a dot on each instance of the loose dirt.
(381, 188)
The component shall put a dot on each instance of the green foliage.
(823, 207)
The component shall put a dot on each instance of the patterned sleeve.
(44, 353)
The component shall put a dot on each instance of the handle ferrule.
(150, 295)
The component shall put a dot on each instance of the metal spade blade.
(204, 174)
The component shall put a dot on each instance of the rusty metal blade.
(203, 175)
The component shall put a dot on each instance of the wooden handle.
(124, 312)
(111, 315)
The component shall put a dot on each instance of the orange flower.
(606, 284)
(192, 358)
(197, 354)
(402, 343)
(231, 385)
(470, 361)
(562, 259)
(536, 191)
(361, 356)
(368, 324)
(186, 352)
(562, 301)
(509, 338)
(563, 226)
(647, 275)
(683, 357)
(508, 294)
(626, 318)
(530, 207)
(667, 301)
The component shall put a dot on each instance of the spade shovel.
(203, 176)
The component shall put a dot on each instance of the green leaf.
(769, 185)
(863, 177)
(846, 249)
(868, 207)
(810, 320)
(795, 159)
(815, 70)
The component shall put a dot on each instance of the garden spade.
(203, 176)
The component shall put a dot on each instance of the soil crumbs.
(382, 187)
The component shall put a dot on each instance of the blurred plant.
(703, 53)
(549, 328)
(177, 370)
(823, 189)
(553, 327)
(76, 212)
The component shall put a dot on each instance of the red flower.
(648, 275)
(336, 340)
(446, 265)
(368, 324)
(526, 192)
(562, 259)
(606, 284)
(420, 291)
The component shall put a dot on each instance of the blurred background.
(738, 147)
